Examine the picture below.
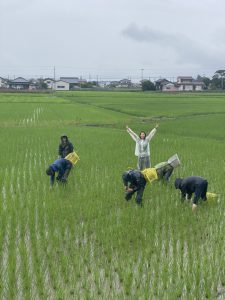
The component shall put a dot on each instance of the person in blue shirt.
(61, 166)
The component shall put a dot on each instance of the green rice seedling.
(84, 240)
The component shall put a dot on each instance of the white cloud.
(187, 50)
(164, 36)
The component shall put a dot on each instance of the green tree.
(147, 85)
(205, 80)
(90, 84)
(215, 83)
(41, 84)
(218, 79)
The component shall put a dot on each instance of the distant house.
(61, 85)
(170, 87)
(188, 83)
(103, 83)
(3, 82)
(19, 84)
(108, 84)
(74, 82)
(159, 84)
(49, 82)
(125, 83)
(33, 85)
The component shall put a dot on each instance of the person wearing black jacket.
(193, 184)
(65, 147)
(134, 182)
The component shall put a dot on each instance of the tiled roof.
(70, 79)
(19, 80)
(162, 80)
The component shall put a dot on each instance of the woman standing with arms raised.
(142, 149)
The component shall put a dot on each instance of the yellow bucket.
(150, 174)
(211, 196)
(72, 157)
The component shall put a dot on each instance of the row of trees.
(216, 83)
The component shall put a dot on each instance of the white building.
(61, 85)
(169, 87)
(187, 83)
(3, 82)
(68, 83)
(49, 82)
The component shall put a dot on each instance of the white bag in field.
(174, 161)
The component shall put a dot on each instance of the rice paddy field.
(83, 240)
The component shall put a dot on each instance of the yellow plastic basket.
(150, 174)
(72, 157)
(211, 196)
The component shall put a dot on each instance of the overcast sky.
(111, 38)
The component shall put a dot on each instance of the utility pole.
(142, 74)
(53, 86)
(222, 77)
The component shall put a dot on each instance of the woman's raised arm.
(132, 134)
(152, 133)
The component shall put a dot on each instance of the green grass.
(84, 241)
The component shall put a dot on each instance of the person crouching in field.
(165, 169)
(193, 184)
(142, 149)
(63, 167)
(65, 146)
(135, 180)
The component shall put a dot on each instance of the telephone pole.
(142, 74)
(53, 85)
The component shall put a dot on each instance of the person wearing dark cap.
(61, 166)
(134, 182)
(193, 184)
(65, 146)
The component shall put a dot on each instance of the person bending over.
(193, 184)
(134, 182)
(164, 170)
(61, 166)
